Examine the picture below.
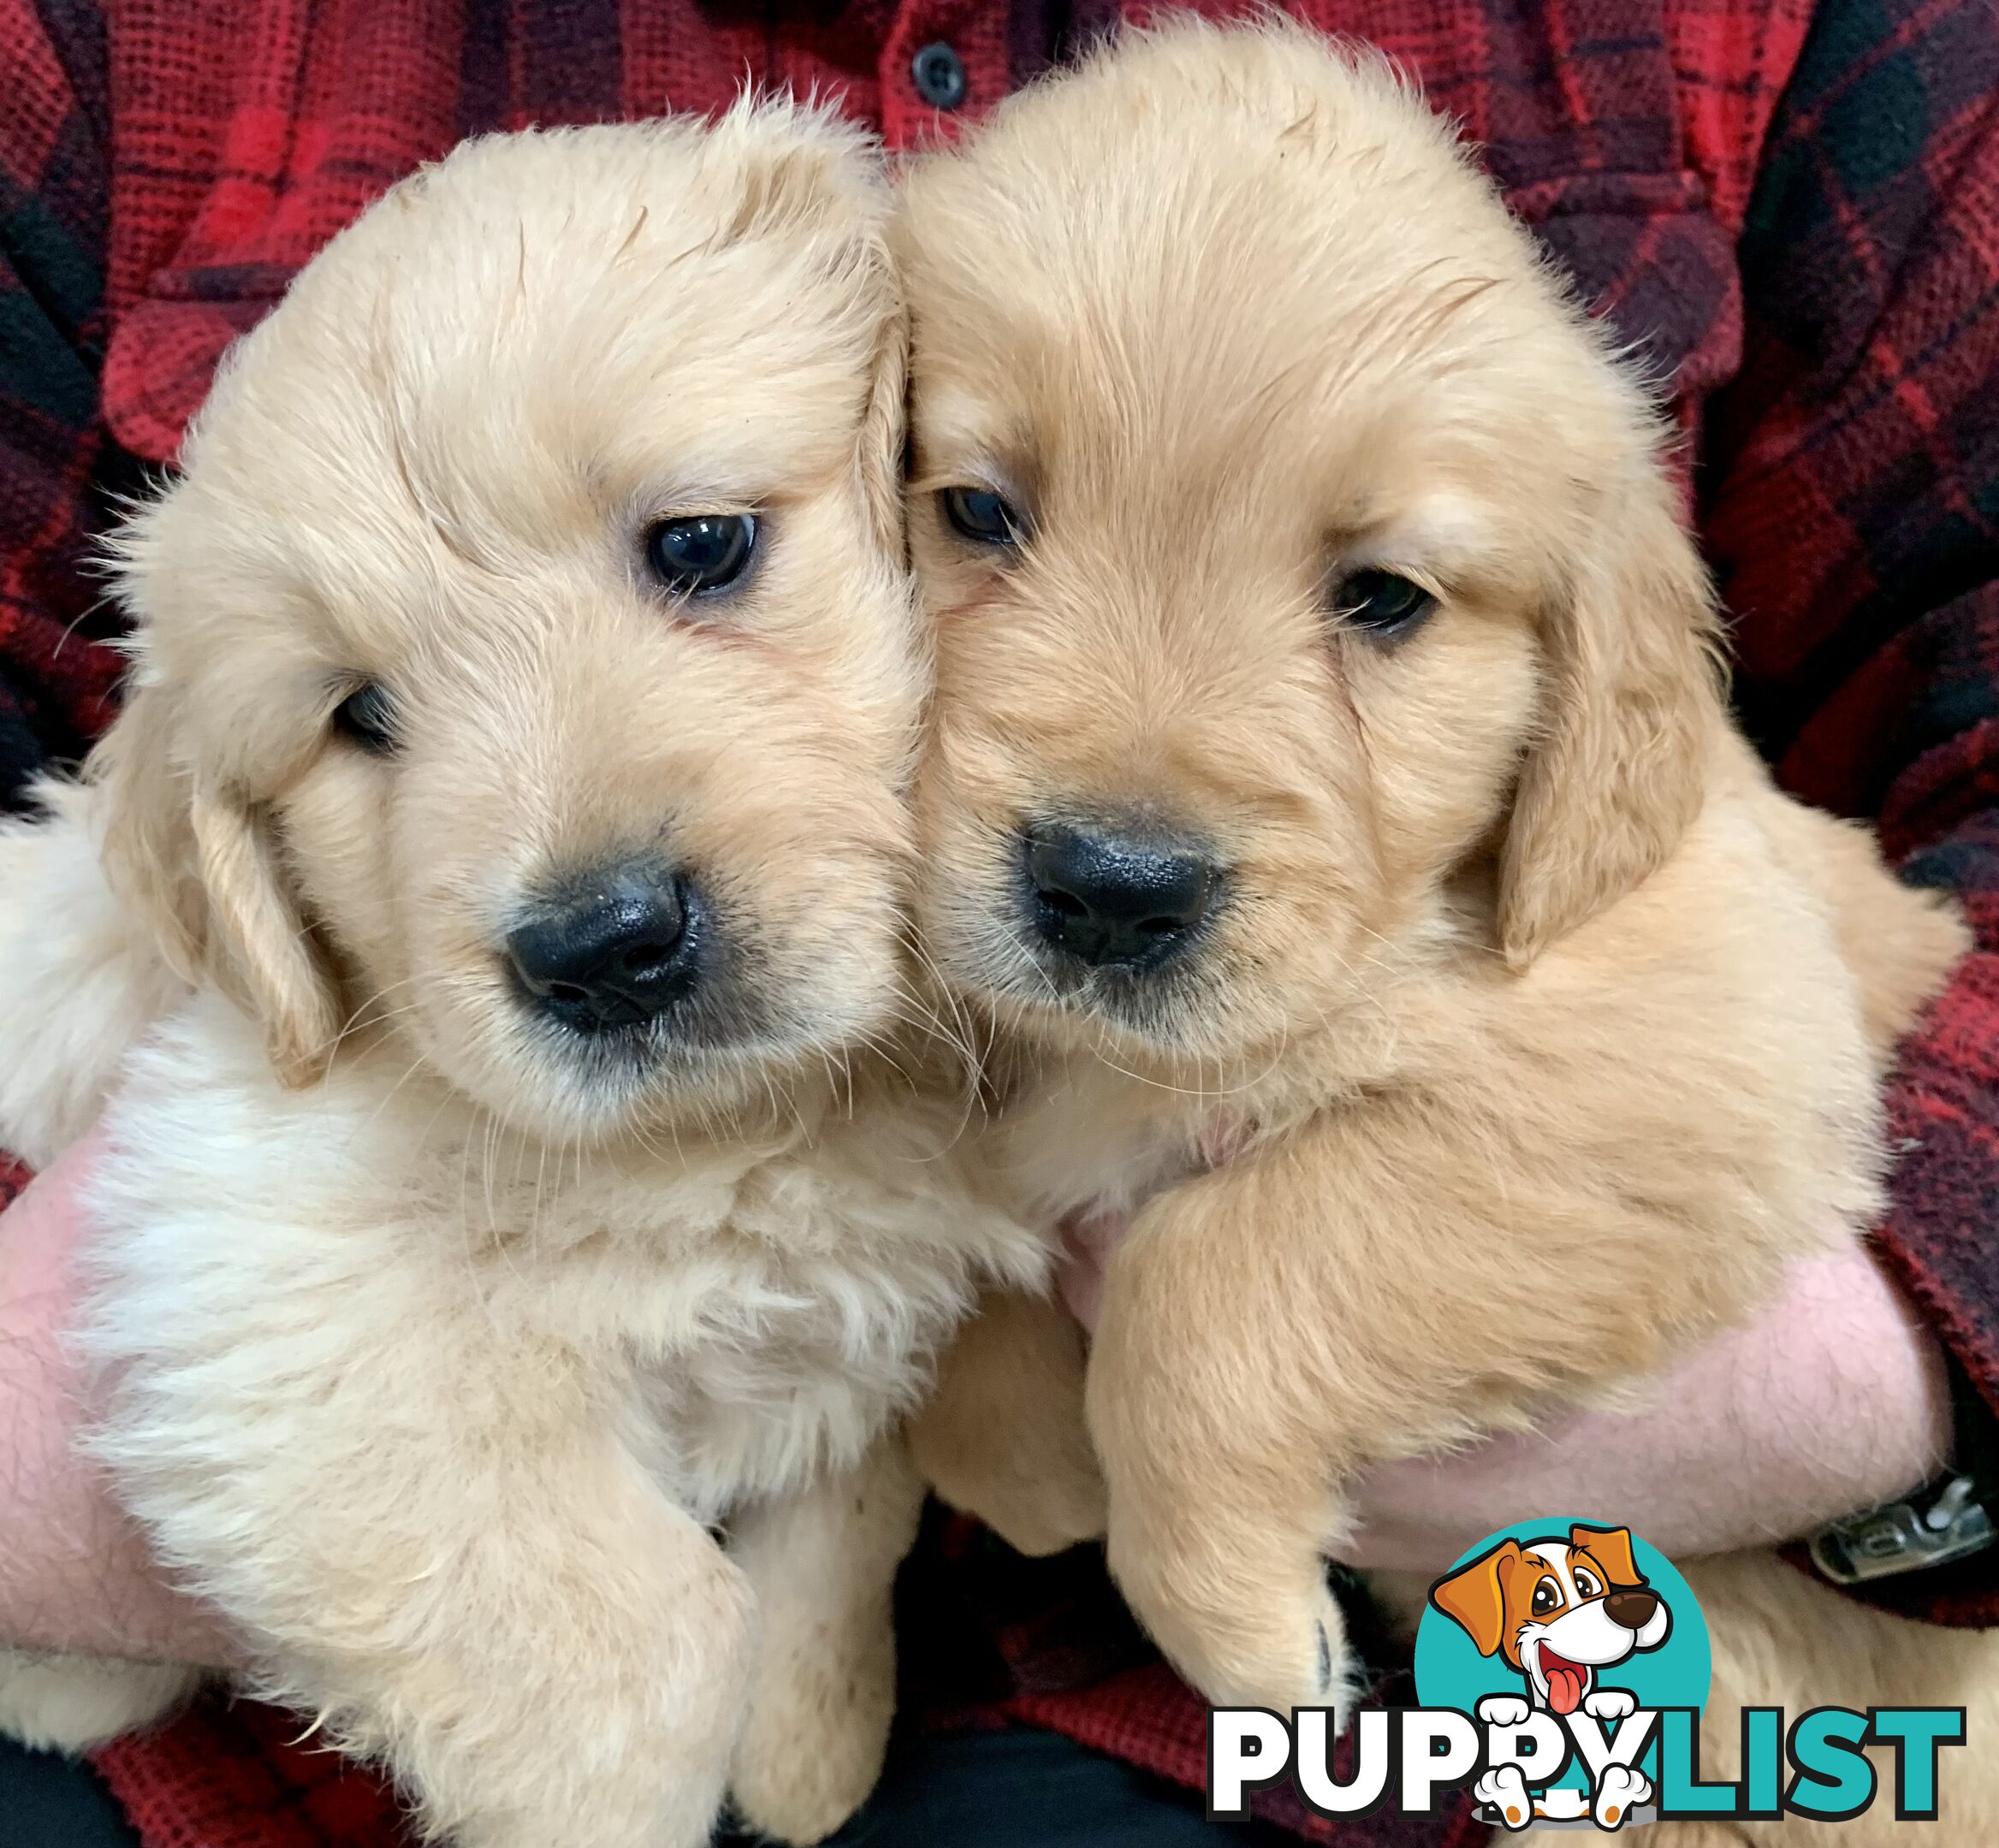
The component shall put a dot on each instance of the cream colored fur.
(1534, 1031)
(1001, 1434)
(81, 976)
(433, 1341)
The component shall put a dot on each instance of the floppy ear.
(1474, 1596)
(149, 846)
(1610, 1548)
(198, 860)
(1630, 708)
(260, 938)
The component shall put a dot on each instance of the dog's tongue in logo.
(1566, 1681)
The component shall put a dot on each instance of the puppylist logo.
(1561, 1668)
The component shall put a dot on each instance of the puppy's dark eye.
(1546, 1598)
(367, 717)
(1381, 604)
(982, 516)
(1585, 1586)
(703, 552)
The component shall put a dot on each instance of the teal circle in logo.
(1479, 1607)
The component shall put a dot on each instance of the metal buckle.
(1931, 1529)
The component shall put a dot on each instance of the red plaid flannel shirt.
(1792, 209)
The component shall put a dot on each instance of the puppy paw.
(1337, 1669)
(70, 1703)
(1505, 1790)
(1304, 1662)
(1274, 1651)
(812, 1747)
(1003, 1435)
(1610, 1704)
(799, 1791)
(1047, 1517)
(1619, 1791)
(1503, 1710)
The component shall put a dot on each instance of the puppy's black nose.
(1631, 1610)
(612, 949)
(1115, 900)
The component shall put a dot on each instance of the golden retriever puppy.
(1333, 810)
(515, 778)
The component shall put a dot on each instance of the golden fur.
(436, 1337)
(1539, 1031)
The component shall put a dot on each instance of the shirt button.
(939, 74)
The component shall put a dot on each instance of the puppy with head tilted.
(508, 832)
(1332, 809)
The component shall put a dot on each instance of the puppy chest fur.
(751, 1312)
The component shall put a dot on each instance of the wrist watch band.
(1951, 1520)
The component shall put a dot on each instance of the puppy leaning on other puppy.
(525, 696)
(1333, 811)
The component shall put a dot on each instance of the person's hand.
(1831, 1401)
(74, 1573)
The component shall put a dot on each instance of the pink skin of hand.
(1834, 1400)
(74, 1573)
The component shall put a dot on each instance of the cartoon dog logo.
(1558, 1612)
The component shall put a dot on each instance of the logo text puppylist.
(1561, 1668)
